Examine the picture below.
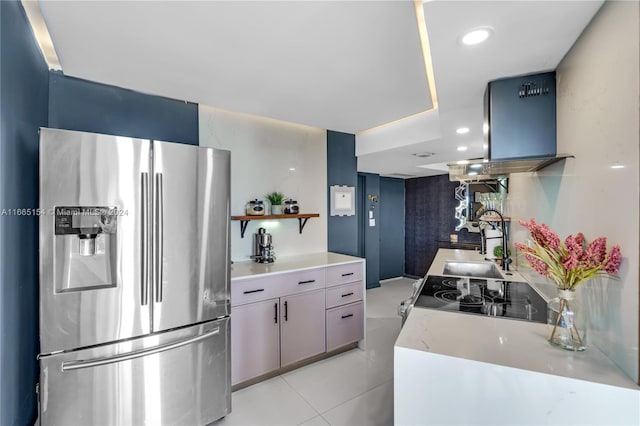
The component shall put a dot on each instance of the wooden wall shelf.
(302, 219)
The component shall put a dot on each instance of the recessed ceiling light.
(475, 166)
(462, 148)
(476, 36)
(292, 169)
(424, 154)
(462, 130)
(617, 166)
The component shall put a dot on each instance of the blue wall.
(391, 227)
(82, 105)
(32, 97)
(341, 170)
(429, 218)
(24, 97)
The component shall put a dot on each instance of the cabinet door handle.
(347, 316)
(275, 318)
(306, 282)
(254, 291)
(286, 311)
(347, 294)
(347, 274)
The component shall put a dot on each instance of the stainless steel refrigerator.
(134, 281)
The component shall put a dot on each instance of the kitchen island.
(455, 368)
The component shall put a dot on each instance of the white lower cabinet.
(255, 339)
(302, 327)
(344, 325)
(274, 333)
(280, 320)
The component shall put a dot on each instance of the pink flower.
(523, 248)
(597, 251)
(568, 263)
(542, 235)
(538, 265)
(575, 245)
(615, 257)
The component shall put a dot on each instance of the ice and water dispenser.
(85, 248)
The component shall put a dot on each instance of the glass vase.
(568, 321)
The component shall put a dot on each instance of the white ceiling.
(340, 65)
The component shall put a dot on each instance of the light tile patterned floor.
(354, 388)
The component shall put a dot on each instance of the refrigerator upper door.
(191, 271)
(92, 241)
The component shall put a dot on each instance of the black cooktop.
(483, 297)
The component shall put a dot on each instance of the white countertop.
(249, 269)
(505, 342)
(501, 341)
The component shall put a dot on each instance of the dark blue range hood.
(519, 128)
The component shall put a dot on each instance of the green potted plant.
(275, 199)
(497, 252)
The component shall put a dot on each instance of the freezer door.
(191, 270)
(180, 377)
(94, 208)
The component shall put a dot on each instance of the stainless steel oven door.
(178, 377)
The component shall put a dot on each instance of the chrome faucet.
(505, 256)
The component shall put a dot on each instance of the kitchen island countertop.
(479, 360)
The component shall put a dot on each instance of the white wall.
(263, 151)
(598, 114)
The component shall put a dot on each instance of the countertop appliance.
(509, 299)
(263, 247)
(134, 281)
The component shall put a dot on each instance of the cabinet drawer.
(342, 274)
(301, 281)
(344, 325)
(344, 294)
(254, 290)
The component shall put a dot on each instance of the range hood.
(475, 170)
(520, 129)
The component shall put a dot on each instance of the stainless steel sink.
(472, 269)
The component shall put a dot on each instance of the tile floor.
(354, 388)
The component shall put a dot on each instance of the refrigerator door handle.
(159, 236)
(144, 235)
(88, 363)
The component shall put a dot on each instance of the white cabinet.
(345, 308)
(278, 320)
(344, 294)
(255, 339)
(302, 327)
(345, 325)
(347, 273)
